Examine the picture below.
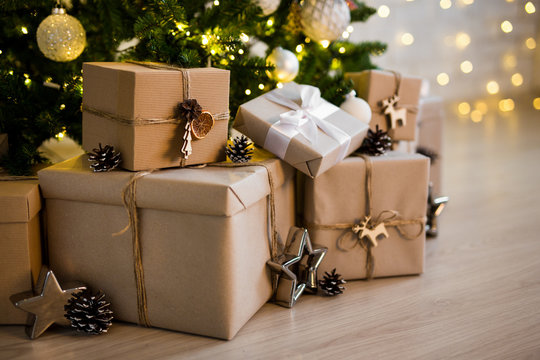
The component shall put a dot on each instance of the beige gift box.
(257, 117)
(399, 183)
(20, 244)
(126, 105)
(375, 86)
(430, 137)
(203, 234)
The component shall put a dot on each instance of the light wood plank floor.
(479, 297)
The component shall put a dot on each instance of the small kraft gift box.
(135, 108)
(393, 99)
(430, 138)
(20, 244)
(193, 258)
(370, 213)
(300, 127)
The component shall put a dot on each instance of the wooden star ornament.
(296, 270)
(47, 307)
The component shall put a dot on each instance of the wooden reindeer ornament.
(365, 229)
(397, 117)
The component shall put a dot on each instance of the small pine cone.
(376, 142)
(331, 283)
(188, 110)
(88, 312)
(104, 158)
(241, 150)
(432, 155)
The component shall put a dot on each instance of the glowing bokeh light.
(492, 87)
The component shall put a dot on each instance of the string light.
(506, 105)
(270, 22)
(492, 87)
(462, 40)
(248, 92)
(536, 103)
(204, 40)
(481, 106)
(0, 52)
(299, 48)
(407, 39)
(530, 43)
(24, 30)
(466, 66)
(443, 79)
(350, 28)
(241, 51)
(530, 8)
(383, 11)
(279, 85)
(476, 116)
(345, 35)
(445, 4)
(261, 86)
(213, 52)
(464, 108)
(517, 79)
(244, 37)
(341, 50)
(325, 43)
(509, 61)
(62, 106)
(216, 2)
(506, 26)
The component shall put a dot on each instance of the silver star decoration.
(296, 270)
(434, 208)
(47, 308)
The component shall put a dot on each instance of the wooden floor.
(479, 297)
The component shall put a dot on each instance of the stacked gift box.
(185, 247)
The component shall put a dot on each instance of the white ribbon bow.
(303, 119)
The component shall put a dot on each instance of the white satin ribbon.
(303, 119)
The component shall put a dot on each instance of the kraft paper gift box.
(430, 137)
(20, 244)
(337, 202)
(131, 107)
(203, 235)
(376, 86)
(4, 145)
(300, 127)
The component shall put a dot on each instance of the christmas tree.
(41, 98)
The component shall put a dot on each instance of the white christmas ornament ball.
(61, 37)
(357, 107)
(325, 19)
(286, 65)
(268, 6)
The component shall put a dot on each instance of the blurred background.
(481, 56)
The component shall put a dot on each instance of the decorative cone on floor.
(89, 313)
(376, 142)
(240, 150)
(331, 283)
(104, 158)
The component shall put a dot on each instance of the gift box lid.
(19, 201)
(210, 190)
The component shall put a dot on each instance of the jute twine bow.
(129, 199)
(186, 94)
(389, 218)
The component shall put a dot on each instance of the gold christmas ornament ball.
(286, 65)
(324, 19)
(61, 37)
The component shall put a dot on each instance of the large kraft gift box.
(203, 235)
(430, 137)
(269, 124)
(375, 86)
(336, 203)
(20, 244)
(131, 106)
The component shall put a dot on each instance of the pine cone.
(188, 110)
(89, 312)
(104, 158)
(376, 142)
(241, 150)
(432, 155)
(331, 283)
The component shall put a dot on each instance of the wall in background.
(461, 46)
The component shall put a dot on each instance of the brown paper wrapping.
(20, 244)
(255, 118)
(135, 92)
(376, 85)
(203, 234)
(399, 183)
(4, 145)
(431, 128)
